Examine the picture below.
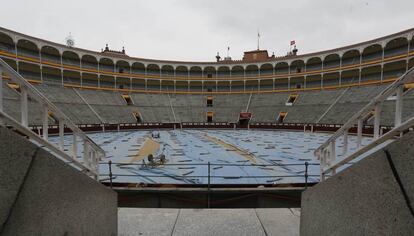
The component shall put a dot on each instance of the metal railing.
(209, 169)
(92, 153)
(326, 153)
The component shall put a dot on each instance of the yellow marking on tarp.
(150, 147)
(244, 153)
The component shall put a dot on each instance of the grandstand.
(233, 133)
(164, 91)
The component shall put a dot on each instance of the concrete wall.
(364, 199)
(41, 195)
(217, 197)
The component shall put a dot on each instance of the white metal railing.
(326, 153)
(92, 153)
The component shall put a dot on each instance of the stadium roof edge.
(195, 63)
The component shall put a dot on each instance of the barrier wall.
(375, 196)
(41, 195)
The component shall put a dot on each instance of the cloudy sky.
(195, 30)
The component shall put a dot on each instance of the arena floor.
(235, 156)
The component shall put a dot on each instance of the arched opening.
(29, 71)
(138, 68)
(372, 73)
(181, 85)
(237, 71)
(27, 48)
(153, 84)
(6, 43)
(282, 68)
(167, 71)
(52, 75)
(181, 71)
(297, 82)
(138, 84)
(266, 84)
(106, 81)
(122, 67)
(195, 71)
(123, 82)
(153, 69)
(314, 64)
(223, 86)
(297, 66)
(266, 69)
(209, 86)
(106, 64)
(351, 57)
(50, 54)
(350, 77)
(89, 79)
(252, 71)
(10, 62)
(412, 44)
(223, 71)
(252, 85)
(314, 81)
(196, 86)
(210, 72)
(396, 46)
(167, 85)
(394, 69)
(281, 84)
(89, 62)
(71, 77)
(331, 61)
(330, 79)
(372, 53)
(70, 58)
(237, 85)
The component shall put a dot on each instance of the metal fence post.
(208, 176)
(61, 135)
(208, 187)
(377, 118)
(24, 106)
(306, 174)
(359, 133)
(110, 173)
(45, 124)
(74, 146)
(399, 106)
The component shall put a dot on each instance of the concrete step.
(155, 221)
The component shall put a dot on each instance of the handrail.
(32, 135)
(368, 108)
(389, 135)
(92, 153)
(326, 152)
(113, 173)
(212, 164)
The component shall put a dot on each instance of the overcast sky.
(195, 30)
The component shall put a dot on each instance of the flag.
(292, 42)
